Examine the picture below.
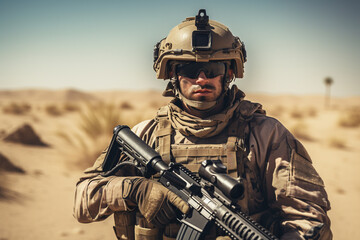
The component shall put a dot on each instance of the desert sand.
(36, 201)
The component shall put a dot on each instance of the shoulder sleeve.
(294, 189)
(145, 130)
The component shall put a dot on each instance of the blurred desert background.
(72, 70)
(48, 137)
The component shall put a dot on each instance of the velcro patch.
(303, 170)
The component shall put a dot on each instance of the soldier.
(208, 119)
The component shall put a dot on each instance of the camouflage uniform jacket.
(283, 191)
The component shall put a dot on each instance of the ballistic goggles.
(193, 69)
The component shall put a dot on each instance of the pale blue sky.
(99, 45)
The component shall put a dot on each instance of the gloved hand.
(155, 202)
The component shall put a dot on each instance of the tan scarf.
(190, 125)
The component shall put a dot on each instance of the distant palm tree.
(328, 82)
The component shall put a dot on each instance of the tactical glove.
(155, 202)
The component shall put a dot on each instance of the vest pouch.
(192, 155)
(143, 233)
(124, 225)
(171, 230)
(145, 230)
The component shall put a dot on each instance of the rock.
(25, 135)
(78, 231)
(6, 165)
(64, 234)
(38, 172)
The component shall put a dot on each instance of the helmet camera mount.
(201, 38)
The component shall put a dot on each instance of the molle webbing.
(163, 134)
(191, 155)
(235, 148)
(143, 233)
(124, 225)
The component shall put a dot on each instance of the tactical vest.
(233, 153)
(191, 155)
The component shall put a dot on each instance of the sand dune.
(38, 204)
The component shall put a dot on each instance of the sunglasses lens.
(193, 69)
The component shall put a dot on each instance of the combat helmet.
(201, 40)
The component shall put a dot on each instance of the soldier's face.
(201, 88)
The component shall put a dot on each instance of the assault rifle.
(211, 196)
